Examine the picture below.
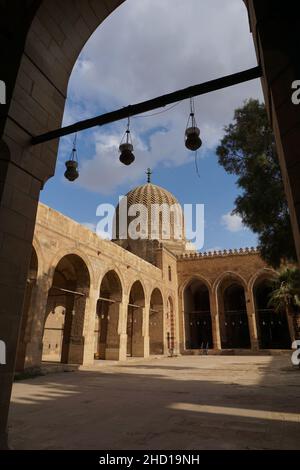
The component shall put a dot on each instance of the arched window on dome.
(170, 273)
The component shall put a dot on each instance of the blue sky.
(144, 49)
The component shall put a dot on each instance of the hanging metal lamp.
(126, 148)
(192, 132)
(71, 172)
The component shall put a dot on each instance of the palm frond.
(285, 290)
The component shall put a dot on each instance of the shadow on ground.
(211, 402)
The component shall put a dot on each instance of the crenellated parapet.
(218, 253)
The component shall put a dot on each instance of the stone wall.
(56, 238)
(243, 267)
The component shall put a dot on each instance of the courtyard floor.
(189, 402)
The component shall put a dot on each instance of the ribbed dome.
(148, 194)
(162, 209)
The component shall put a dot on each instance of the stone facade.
(220, 270)
(88, 298)
(72, 262)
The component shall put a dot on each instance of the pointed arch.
(63, 339)
(156, 322)
(197, 314)
(273, 328)
(135, 320)
(230, 289)
(107, 337)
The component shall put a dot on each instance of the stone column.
(69, 350)
(36, 322)
(162, 318)
(165, 330)
(25, 325)
(89, 326)
(250, 306)
(112, 350)
(140, 337)
(157, 337)
(177, 329)
(215, 323)
(180, 326)
(123, 309)
(174, 337)
(146, 336)
(19, 193)
(176, 350)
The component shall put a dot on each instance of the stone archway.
(135, 321)
(44, 56)
(197, 316)
(273, 330)
(234, 324)
(156, 323)
(107, 338)
(63, 339)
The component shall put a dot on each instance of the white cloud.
(147, 48)
(232, 222)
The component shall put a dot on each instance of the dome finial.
(148, 173)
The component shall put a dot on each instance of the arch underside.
(135, 319)
(156, 323)
(273, 330)
(63, 339)
(234, 323)
(197, 315)
(231, 319)
(107, 338)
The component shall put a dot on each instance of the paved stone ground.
(191, 402)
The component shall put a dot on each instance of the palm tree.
(285, 295)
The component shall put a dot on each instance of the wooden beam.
(149, 105)
(113, 301)
(135, 306)
(67, 291)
